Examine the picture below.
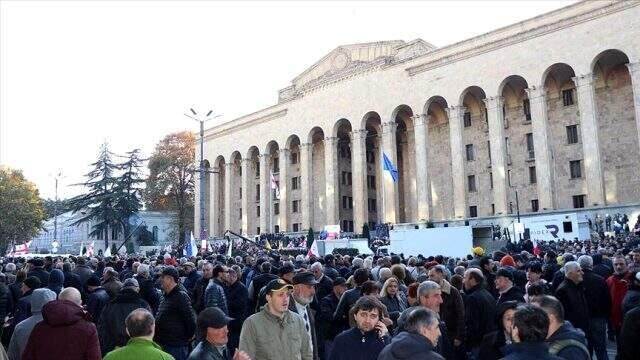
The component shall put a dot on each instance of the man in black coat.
(599, 305)
(39, 271)
(6, 300)
(330, 266)
(238, 303)
(480, 309)
(486, 266)
(506, 289)
(629, 335)
(325, 284)
(351, 296)
(197, 295)
(71, 279)
(97, 298)
(419, 341)
(303, 294)
(111, 327)
(23, 307)
(550, 267)
(148, 291)
(258, 283)
(176, 320)
(327, 328)
(572, 296)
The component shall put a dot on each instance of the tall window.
(469, 150)
(258, 211)
(473, 211)
(532, 175)
(256, 165)
(493, 209)
(257, 192)
(575, 169)
(471, 181)
(276, 209)
(491, 180)
(294, 158)
(467, 119)
(578, 201)
(534, 205)
(489, 150)
(276, 166)
(345, 202)
(526, 108)
(240, 193)
(530, 148)
(240, 213)
(295, 206)
(567, 97)
(509, 177)
(372, 205)
(296, 227)
(572, 134)
(295, 183)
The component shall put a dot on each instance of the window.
(473, 211)
(534, 205)
(578, 201)
(344, 202)
(507, 147)
(567, 97)
(276, 209)
(114, 234)
(489, 151)
(240, 213)
(467, 119)
(575, 169)
(526, 108)
(349, 178)
(493, 209)
(295, 183)
(350, 202)
(471, 181)
(370, 157)
(371, 181)
(508, 177)
(257, 167)
(294, 158)
(572, 134)
(491, 180)
(469, 150)
(240, 193)
(257, 192)
(296, 227)
(372, 205)
(532, 175)
(295, 206)
(276, 228)
(258, 211)
(276, 166)
(344, 178)
(258, 230)
(530, 148)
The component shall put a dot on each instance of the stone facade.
(547, 108)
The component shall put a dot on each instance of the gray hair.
(586, 262)
(427, 287)
(571, 266)
(420, 318)
(316, 266)
(357, 262)
(143, 270)
(384, 274)
(459, 270)
(10, 267)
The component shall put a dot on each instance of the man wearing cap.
(304, 291)
(110, 282)
(175, 320)
(39, 271)
(212, 326)
(97, 298)
(21, 333)
(192, 277)
(327, 328)
(23, 307)
(286, 272)
(275, 332)
(111, 327)
(506, 290)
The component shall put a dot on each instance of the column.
(265, 194)
(246, 182)
(284, 188)
(590, 144)
(544, 165)
(634, 71)
(498, 155)
(359, 184)
(390, 201)
(306, 183)
(421, 133)
(228, 195)
(214, 202)
(196, 208)
(332, 189)
(456, 114)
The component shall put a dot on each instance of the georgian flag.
(274, 186)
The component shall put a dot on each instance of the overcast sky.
(75, 74)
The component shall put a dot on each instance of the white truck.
(544, 228)
(448, 241)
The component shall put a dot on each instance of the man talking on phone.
(370, 335)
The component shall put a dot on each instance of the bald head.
(71, 294)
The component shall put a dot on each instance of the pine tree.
(127, 190)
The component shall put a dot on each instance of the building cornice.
(436, 59)
(244, 122)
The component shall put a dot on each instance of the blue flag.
(388, 166)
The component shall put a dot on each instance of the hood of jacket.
(409, 345)
(62, 312)
(40, 297)
(567, 331)
(56, 277)
(127, 296)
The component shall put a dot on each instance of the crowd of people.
(567, 301)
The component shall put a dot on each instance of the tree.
(22, 211)
(365, 231)
(50, 207)
(170, 185)
(310, 237)
(127, 190)
(99, 204)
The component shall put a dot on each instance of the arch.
(340, 124)
(235, 156)
(220, 161)
(206, 163)
(475, 91)
(316, 134)
(513, 81)
(369, 116)
(271, 145)
(253, 151)
(609, 58)
(401, 110)
(436, 99)
(559, 72)
(292, 140)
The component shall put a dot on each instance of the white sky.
(74, 74)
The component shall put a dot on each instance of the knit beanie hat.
(507, 261)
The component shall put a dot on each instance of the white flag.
(313, 250)
(230, 249)
(274, 186)
(107, 252)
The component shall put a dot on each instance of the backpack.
(557, 346)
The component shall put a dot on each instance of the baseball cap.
(505, 273)
(130, 283)
(306, 278)
(189, 263)
(286, 269)
(212, 317)
(277, 285)
(339, 281)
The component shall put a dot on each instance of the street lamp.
(57, 176)
(194, 116)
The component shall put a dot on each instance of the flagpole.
(271, 190)
(383, 182)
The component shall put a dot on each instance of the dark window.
(258, 211)
(349, 178)
(473, 211)
(578, 201)
(467, 119)
(532, 175)
(508, 177)
(469, 150)
(155, 233)
(567, 226)
(493, 209)
(567, 97)
(350, 202)
(572, 134)
(372, 205)
(258, 192)
(276, 228)
(296, 227)
(295, 206)
(344, 202)
(295, 183)
(491, 180)
(258, 230)
(526, 108)
(276, 209)
(371, 181)
(575, 168)
(240, 193)
(294, 158)
(257, 167)
(489, 150)
(344, 177)
(530, 148)
(276, 166)
(534, 205)
(240, 213)
(471, 180)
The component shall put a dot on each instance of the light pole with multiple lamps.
(202, 170)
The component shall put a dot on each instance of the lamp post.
(201, 169)
(57, 176)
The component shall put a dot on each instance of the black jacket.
(111, 328)
(528, 351)
(574, 302)
(597, 293)
(409, 346)
(149, 293)
(480, 314)
(41, 274)
(16, 292)
(549, 270)
(347, 300)
(259, 282)
(354, 345)
(175, 320)
(72, 279)
(629, 335)
(568, 332)
(197, 298)
(491, 346)
(6, 301)
(238, 304)
(513, 294)
(324, 287)
(327, 328)
(23, 308)
(96, 301)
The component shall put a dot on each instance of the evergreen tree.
(127, 190)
